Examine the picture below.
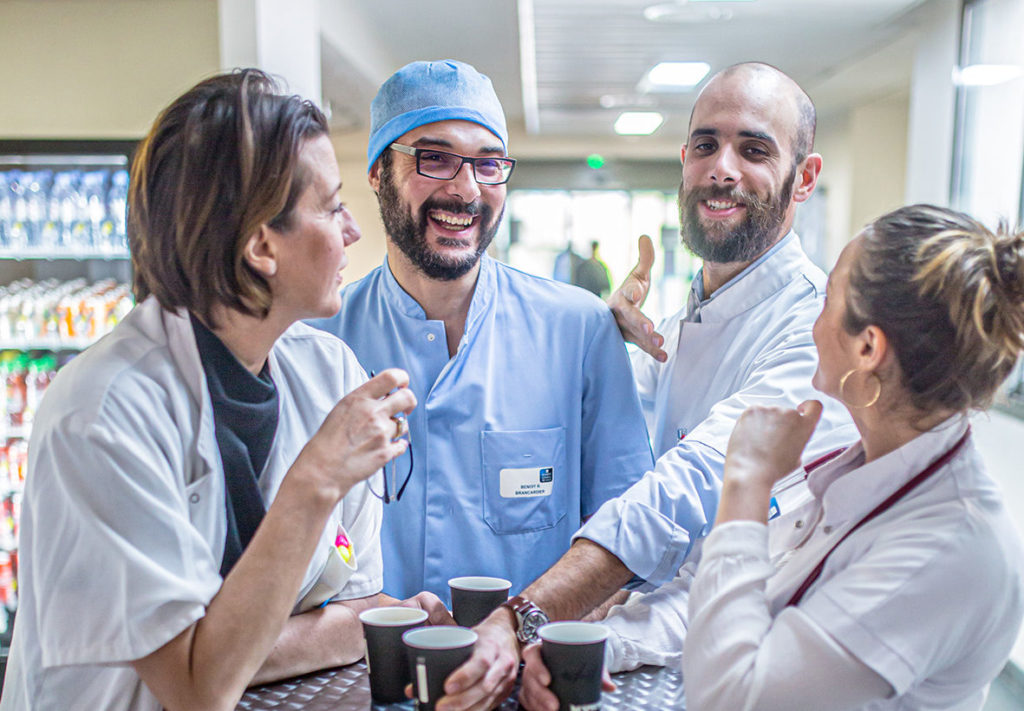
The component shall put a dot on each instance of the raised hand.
(765, 446)
(359, 436)
(625, 303)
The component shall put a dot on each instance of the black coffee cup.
(474, 597)
(434, 653)
(573, 652)
(386, 660)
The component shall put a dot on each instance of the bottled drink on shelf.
(50, 211)
(18, 232)
(113, 231)
(14, 368)
(51, 313)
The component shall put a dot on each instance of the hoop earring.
(842, 386)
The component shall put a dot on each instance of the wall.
(833, 143)
(99, 68)
(878, 143)
(931, 112)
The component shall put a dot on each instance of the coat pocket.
(524, 479)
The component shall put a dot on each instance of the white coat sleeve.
(361, 512)
(738, 657)
(119, 568)
(650, 628)
(361, 517)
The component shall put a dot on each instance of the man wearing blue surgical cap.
(528, 416)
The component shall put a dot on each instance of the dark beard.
(408, 233)
(751, 238)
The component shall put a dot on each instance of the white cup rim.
(440, 637)
(481, 583)
(393, 616)
(573, 632)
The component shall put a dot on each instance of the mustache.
(723, 192)
(454, 206)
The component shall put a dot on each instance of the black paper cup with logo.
(573, 652)
(386, 660)
(434, 653)
(474, 597)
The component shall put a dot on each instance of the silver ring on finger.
(401, 426)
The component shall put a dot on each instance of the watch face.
(532, 622)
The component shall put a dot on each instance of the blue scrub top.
(529, 428)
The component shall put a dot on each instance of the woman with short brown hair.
(196, 493)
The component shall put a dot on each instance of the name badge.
(773, 509)
(524, 483)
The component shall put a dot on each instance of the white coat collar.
(766, 276)
(848, 489)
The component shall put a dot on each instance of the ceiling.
(567, 68)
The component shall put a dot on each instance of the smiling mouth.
(719, 205)
(451, 221)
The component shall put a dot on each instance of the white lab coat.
(123, 517)
(751, 346)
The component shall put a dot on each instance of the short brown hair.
(219, 162)
(949, 295)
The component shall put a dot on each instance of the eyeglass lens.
(445, 166)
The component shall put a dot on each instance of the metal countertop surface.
(348, 689)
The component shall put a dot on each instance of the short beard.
(408, 233)
(744, 243)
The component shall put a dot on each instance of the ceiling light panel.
(676, 75)
(638, 123)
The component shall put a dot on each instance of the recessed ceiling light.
(692, 11)
(638, 123)
(986, 74)
(618, 101)
(675, 75)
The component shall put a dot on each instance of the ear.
(872, 348)
(807, 177)
(260, 251)
(682, 153)
(373, 177)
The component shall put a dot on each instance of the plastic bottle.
(81, 229)
(5, 210)
(114, 227)
(63, 198)
(95, 199)
(19, 227)
(36, 198)
(40, 372)
(14, 389)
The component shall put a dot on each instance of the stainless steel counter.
(348, 689)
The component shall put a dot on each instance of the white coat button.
(194, 498)
(798, 524)
(827, 529)
(430, 336)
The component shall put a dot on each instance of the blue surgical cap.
(425, 92)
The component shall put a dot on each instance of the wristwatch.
(529, 618)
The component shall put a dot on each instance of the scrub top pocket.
(525, 479)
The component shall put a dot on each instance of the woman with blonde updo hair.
(887, 575)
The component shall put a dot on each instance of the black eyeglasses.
(386, 497)
(439, 165)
